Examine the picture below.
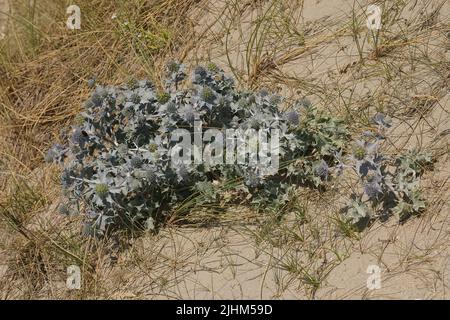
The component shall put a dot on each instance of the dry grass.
(299, 48)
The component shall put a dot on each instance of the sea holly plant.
(133, 155)
(390, 185)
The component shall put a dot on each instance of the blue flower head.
(380, 119)
(372, 189)
(292, 117)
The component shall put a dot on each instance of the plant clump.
(390, 184)
(118, 169)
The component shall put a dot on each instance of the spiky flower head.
(212, 67)
(153, 147)
(363, 149)
(359, 152)
(207, 95)
(380, 119)
(292, 117)
(372, 189)
(163, 97)
(101, 189)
